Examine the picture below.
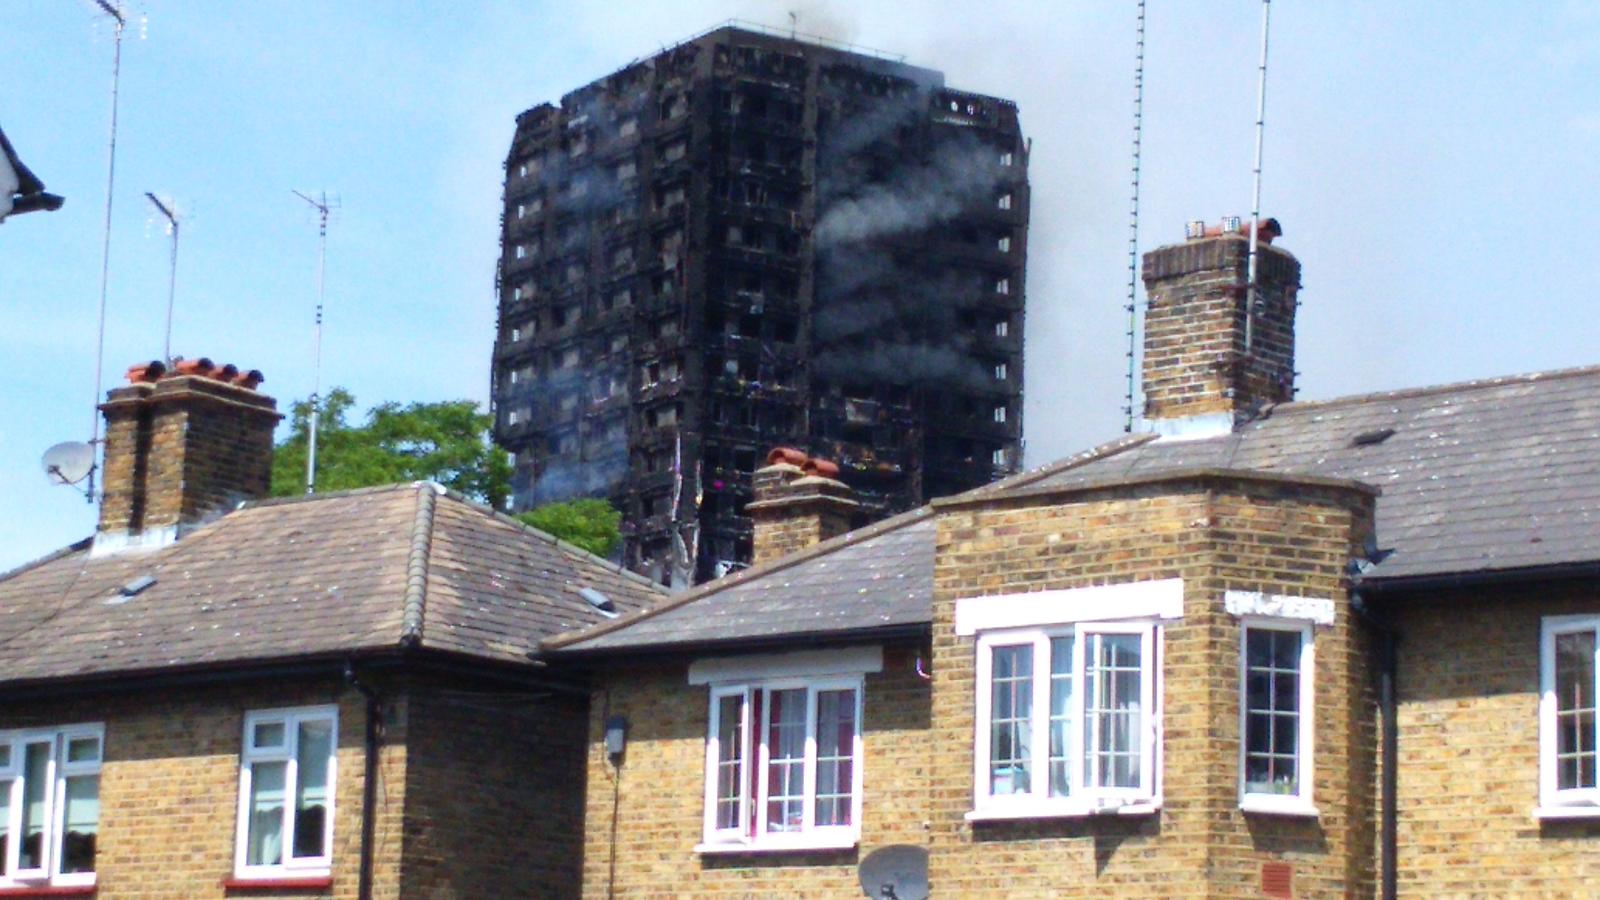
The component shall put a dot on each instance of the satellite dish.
(896, 872)
(68, 463)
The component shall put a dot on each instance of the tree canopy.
(587, 523)
(447, 442)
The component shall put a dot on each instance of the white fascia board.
(1316, 610)
(797, 664)
(1161, 599)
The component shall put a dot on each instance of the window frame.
(755, 748)
(289, 866)
(1301, 801)
(1555, 802)
(1082, 799)
(57, 770)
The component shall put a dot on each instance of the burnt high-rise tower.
(747, 241)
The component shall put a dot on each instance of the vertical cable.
(1133, 217)
(105, 248)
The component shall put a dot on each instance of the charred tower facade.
(749, 241)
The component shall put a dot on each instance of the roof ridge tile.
(416, 596)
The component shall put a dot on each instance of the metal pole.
(105, 248)
(316, 342)
(1255, 205)
(172, 275)
(1133, 215)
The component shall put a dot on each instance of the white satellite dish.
(68, 463)
(896, 872)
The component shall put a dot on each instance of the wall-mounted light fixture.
(616, 737)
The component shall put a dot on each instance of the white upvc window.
(49, 805)
(1569, 743)
(784, 750)
(1276, 687)
(286, 787)
(1067, 720)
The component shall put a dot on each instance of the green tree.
(446, 442)
(590, 524)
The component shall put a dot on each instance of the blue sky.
(1435, 167)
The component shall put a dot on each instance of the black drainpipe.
(369, 785)
(1388, 671)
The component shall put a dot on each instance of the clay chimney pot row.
(145, 373)
(155, 370)
(822, 468)
(786, 455)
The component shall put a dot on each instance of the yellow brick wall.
(169, 786)
(1276, 538)
(1469, 748)
(645, 817)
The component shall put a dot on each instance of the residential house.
(222, 695)
(1263, 648)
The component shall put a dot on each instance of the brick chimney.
(1205, 369)
(798, 502)
(180, 449)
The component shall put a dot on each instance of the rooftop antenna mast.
(323, 208)
(1251, 297)
(114, 10)
(172, 274)
(1133, 215)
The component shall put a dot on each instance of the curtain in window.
(1112, 720)
(730, 759)
(1060, 715)
(81, 823)
(786, 749)
(35, 789)
(266, 813)
(836, 715)
(1011, 720)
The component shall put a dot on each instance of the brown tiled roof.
(364, 570)
(1478, 478)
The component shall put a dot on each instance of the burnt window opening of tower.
(748, 241)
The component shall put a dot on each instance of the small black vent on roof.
(1368, 438)
(131, 590)
(599, 601)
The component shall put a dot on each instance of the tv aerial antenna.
(168, 210)
(1133, 216)
(324, 207)
(1252, 293)
(895, 872)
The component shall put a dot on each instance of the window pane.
(730, 759)
(1112, 718)
(35, 788)
(786, 749)
(81, 822)
(267, 734)
(314, 747)
(5, 756)
(1060, 715)
(1011, 720)
(1272, 711)
(83, 749)
(836, 730)
(1576, 756)
(265, 844)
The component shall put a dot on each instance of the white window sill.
(1543, 813)
(1062, 811)
(789, 846)
(1278, 806)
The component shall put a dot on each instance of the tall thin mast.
(1255, 203)
(1133, 215)
(172, 274)
(321, 206)
(115, 12)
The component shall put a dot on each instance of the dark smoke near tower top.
(748, 241)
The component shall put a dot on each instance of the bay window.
(286, 783)
(1066, 719)
(49, 805)
(784, 749)
(1569, 743)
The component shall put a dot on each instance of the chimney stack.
(1206, 369)
(799, 501)
(180, 448)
